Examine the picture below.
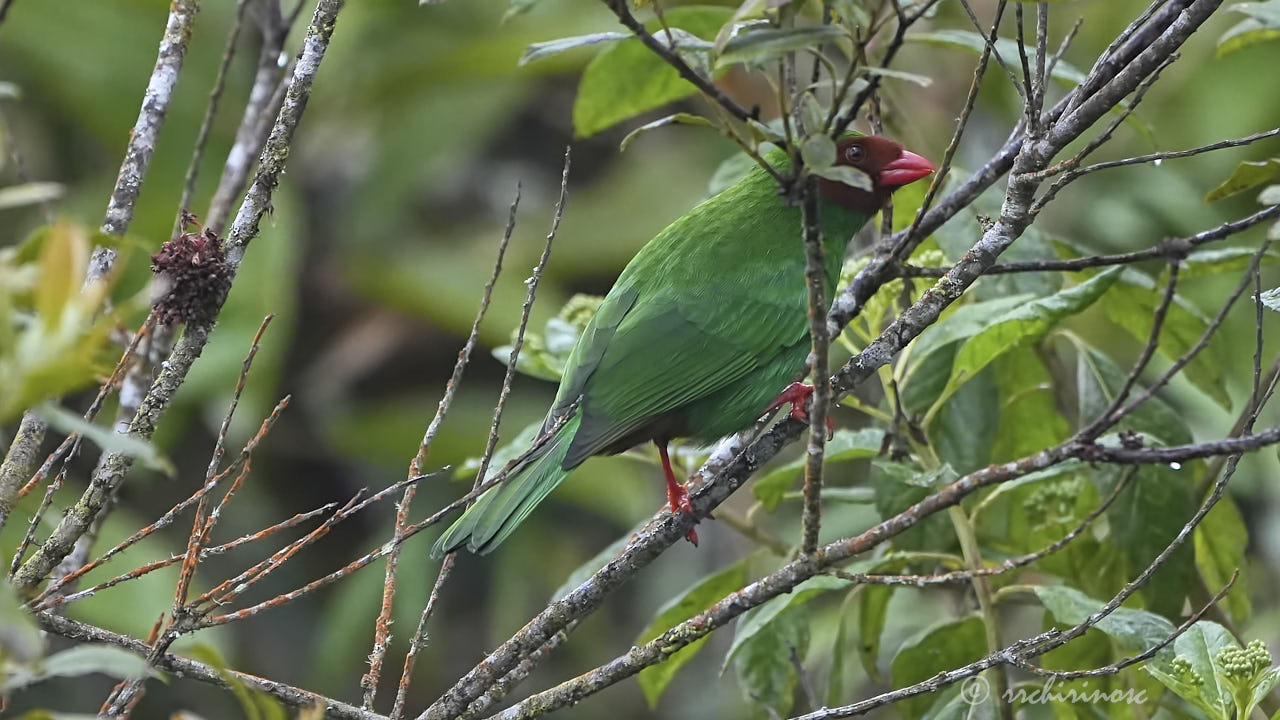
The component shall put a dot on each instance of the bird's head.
(888, 164)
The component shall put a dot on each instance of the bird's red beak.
(908, 168)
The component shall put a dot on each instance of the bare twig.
(420, 634)
(146, 131)
(382, 626)
(200, 672)
(211, 111)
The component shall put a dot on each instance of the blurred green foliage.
(384, 231)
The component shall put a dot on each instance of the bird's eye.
(853, 154)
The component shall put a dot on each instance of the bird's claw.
(678, 498)
(797, 393)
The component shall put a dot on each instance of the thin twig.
(382, 626)
(211, 111)
(420, 634)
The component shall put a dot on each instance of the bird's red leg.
(797, 393)
(677, 496)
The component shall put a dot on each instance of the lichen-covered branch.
(110, 473)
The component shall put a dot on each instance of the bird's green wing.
(669, 352)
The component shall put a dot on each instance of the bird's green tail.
(497, 513)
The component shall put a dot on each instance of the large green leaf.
(1029, 417)
(1220, 543)
(758, 619)
(965, 427)
(1097, 381)
(627, 78)
(898, 486)
(1198, 646)
(1146, 516)
(932, 354)
(1132, 303)
(1261, 25)
(20, 636)
(1133, 630)
(1246, 176)
(766, 665)
(844, 445)
(655, 678)
(1222, 261)
(1025, 324)
(942, 646)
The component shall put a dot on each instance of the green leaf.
(921, 80)
(1199, 645)
(32, 193)
(768, 43)
(765, 665)
(844, 445)
(873, 611)
(964, 322)
(1267, 12)
(818, 152)
(733, 169)
(537, 51)
(973, 42)
(965, 427)
(62, 263)
(249, 702)
(1146, 516)
(850, 176)
(81, 660)
(944, 645)
(1222, 261)
(1133, 630)
(835, 675)
(1029, 415)
(1246, 176)
(1025, 324)
(811, 114)
(1243, 34)
(1132, 303)
(107, 439)
(747, 10)
(20, 638)
(655, 678)
(1220, 543)
(758, 619)
(675, 119)
(899, 486)
(627, 78)
(589, 568)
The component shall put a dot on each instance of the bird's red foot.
(677, 495)
(797, 393)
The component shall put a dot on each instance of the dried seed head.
(192, 277)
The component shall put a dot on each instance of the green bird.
(700, 333)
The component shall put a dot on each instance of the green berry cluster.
(1244, 665)
(1183, 671)
(580, 309)
(1052, 502)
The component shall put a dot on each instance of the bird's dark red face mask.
(888, 164)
